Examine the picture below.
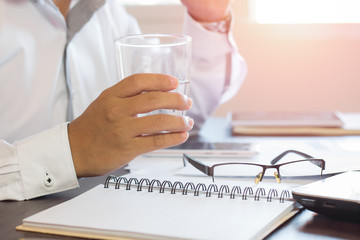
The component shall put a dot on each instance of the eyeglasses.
(312, 166)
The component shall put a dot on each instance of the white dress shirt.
(50, 70)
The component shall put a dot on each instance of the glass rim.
(183, 40)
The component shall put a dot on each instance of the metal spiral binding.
(118, 182)
(247, 191)
(272, 192)
(184, 188)
(222, 189)
(234, 190)
(141, 182)
(211, 186)
(259, 191)
(173, 189)
(108, 179)
(283, 195)
(163, 184)
(151, 187)
(197, 188)
(128, 185)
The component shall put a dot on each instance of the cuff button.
(48, 180)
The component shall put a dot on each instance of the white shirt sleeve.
(217, 73)
(36, 166)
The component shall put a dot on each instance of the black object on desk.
(337, 196)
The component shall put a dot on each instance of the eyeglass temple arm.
(318, 162)
(198, 165)
(275, 160)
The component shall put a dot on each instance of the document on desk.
(291, 124)
(161, 209)
(287, 119)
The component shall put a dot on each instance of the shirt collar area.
(80, 13)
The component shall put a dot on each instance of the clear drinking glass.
(156, 53)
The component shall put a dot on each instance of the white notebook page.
(108, 212)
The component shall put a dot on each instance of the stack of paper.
(290, 124)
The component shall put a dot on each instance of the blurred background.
(302, 55)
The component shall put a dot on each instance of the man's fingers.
(144, 82)
(161, 123)
(150, 101)
(158, 141)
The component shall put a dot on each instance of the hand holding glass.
(157, 53)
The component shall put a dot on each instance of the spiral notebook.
(152, 209)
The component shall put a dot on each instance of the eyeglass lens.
(255, 173)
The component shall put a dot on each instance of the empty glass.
(156, 53)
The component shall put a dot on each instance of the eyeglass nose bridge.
(259, 177)
(277, 176)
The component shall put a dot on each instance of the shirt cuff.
(221, 26)
(46, 164)
(203, 39)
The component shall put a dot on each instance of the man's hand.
(208, 10)
(109, 134)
